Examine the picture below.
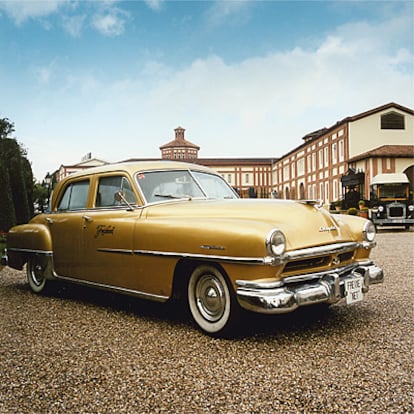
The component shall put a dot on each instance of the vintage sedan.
(163, 230)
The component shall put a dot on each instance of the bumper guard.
(290, 293)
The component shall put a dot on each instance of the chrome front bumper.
(292, 292)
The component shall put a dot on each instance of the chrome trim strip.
(320, 250)
(247, 284)
(127, 291)
(45, 252)
(227, 259)
(119, 251)
(335, 248)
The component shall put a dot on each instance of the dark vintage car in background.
(163, 230)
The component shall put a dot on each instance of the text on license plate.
(353, 290)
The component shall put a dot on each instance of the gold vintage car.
(160, 230)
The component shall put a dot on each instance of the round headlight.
(411, 208)
(380, 209)
(369, 231)
(276, 243)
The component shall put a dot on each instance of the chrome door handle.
(87, 218)
(49, 220)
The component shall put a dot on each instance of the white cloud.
(22, 10)
(74, 24)
(154, 4)
(110, 22)
(259, 107)
(220, 11)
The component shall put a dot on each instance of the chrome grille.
(317, 262)
(396, 211)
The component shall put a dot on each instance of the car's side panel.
(107, 246)
(65, 229)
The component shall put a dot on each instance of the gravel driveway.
(85, 351)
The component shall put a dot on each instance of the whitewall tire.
(211, 301)
(35, 270)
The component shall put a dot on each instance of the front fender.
(27, 239)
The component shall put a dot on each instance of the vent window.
(392, 120)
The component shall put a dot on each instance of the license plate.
(353, 290)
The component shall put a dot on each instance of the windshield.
(164, 185)
(392, 190)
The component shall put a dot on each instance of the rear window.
(75, 196)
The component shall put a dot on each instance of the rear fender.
(27, 239)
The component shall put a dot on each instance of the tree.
(40, 195)
(16, 181)
(6, 128)
(7, 214)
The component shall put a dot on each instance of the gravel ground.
(85, 351)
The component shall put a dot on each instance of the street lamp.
(48, 183)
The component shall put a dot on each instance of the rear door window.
(75, 196)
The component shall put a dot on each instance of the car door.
(66, 226)
(107, 233)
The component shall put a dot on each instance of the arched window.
(287, 193)
(302, 191)
(392, 120)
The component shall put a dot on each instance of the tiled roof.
(395, 151)
(179, 143)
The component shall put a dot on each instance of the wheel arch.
(183, 271)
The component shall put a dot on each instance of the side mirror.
(119, 197)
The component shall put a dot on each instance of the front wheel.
(36, 269)
(212, 302)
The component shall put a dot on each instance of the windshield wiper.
(174, 196)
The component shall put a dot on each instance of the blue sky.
(244, 78)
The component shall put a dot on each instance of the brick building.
(352, 151)
(251, 177)
(325, 166)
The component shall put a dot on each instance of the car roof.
(133, 167)
(390, 178)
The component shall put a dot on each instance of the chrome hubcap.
(37, 274)
(210, 298)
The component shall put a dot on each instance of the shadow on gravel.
(305, 322)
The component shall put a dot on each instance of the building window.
(392, 120)
(287, 193)
(326, 156)
(341, 150)
(301, 167)
(314, 161)
(335, 190)
(320, 158)
(334, 154)
(302, 191)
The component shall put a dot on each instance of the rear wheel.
(211, 300)
(36, 269)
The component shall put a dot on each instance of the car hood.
(303, 224)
